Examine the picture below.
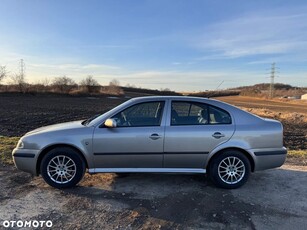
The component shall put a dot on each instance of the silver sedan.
(156, 134)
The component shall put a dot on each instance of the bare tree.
(45, 82)
(90, 84)
(3, 72)
(114, 87)
(64, 84)
(41, 85)
(19, 81)
(165, 90)
(114, 82)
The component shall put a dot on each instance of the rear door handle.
(155, 136)
(218, 135)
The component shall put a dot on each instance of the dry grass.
(297, 157)
(297, 153)
(7, 144)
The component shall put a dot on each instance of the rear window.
(219, 116)
(195, 113)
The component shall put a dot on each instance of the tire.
(230, 169)
(59, 175)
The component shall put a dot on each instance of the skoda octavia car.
(156, 134)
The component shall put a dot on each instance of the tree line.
(62, 84)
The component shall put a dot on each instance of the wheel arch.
(50, 147)
(246, 153)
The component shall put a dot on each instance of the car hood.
(57, 127)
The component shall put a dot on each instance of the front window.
(143, 114)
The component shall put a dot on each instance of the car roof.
(169, 97)
(181, 98)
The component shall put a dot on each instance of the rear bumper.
(269, 158)
(25, 159)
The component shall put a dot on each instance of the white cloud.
(95, 66)
(275, 32)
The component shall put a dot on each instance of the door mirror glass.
(110, 123)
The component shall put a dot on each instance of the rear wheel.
(230, 169)
(62, 167)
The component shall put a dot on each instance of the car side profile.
(160, 134)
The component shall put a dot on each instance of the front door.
(136, 142)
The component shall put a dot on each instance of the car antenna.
(210, 95)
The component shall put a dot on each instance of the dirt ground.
(272, 199)
(22, 113)
(299, 106)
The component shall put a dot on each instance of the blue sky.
(181, 45)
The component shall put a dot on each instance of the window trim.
(197, 125)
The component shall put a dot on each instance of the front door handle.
(155, 136)
(218, 135)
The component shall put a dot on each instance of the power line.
(219, 85)
(22, 67)
(273, 70)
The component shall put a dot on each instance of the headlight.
(20, 145)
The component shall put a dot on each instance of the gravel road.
(272, 199)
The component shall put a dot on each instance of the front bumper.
(269, 158)
(26, 159)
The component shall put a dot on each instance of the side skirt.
(146, 170)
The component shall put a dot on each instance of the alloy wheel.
(61, 169)
(231, 170)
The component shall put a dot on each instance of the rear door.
(192, 131)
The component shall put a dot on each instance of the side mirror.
(110, 123)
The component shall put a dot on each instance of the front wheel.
(230, 169)
(62, 167)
